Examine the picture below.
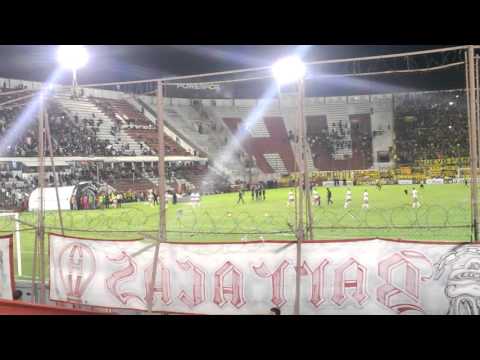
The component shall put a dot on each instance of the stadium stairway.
(181, 117)
(257, 147)
(84, 108)
(174, 130)
(182, 120)
(337, 113)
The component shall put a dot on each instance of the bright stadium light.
(288, 70)
(72, 57)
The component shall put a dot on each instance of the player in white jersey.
(291, 198)
(415, 201)
(365, 200)
(195, 199)
(348, 198)
(316, 198)
(150, 198)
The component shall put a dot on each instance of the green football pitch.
(444, 215)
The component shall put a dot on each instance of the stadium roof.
(136, 62)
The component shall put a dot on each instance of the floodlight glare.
(288, 70)
(72, 57)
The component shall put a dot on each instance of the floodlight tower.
(72, 57)
(287, 71)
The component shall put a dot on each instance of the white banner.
(435, 181)
(405, 182)
(6, 268)
(346, 277)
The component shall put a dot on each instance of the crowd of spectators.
(69, 138)
(77, 137)
(431, 126)
(14, 190)
(105, 200)
(333, 140)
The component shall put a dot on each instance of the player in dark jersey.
(240, 197)
(329, 197)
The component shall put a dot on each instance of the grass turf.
(443, 216)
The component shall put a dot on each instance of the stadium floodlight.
(72, 57)
(288, 70)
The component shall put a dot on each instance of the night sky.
(110, 63)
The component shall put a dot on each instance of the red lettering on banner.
(318, 281)
(79, 261)
(162, 283)
(114, 282)
(359, 283)
(198, 285)
(278, 281)
(410, 286)
(235, 289)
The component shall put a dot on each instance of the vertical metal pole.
(467, 93)
(55, 175)
(161, 193)
(305, 154)
(161, 162)
(477, 103)
(473, 139)
(41, 182)
(18, 244)
(34, 266)
(303, 190)
(74, 83)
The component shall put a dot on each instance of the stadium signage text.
(435, 181)
(199, 87)
(348, 277)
